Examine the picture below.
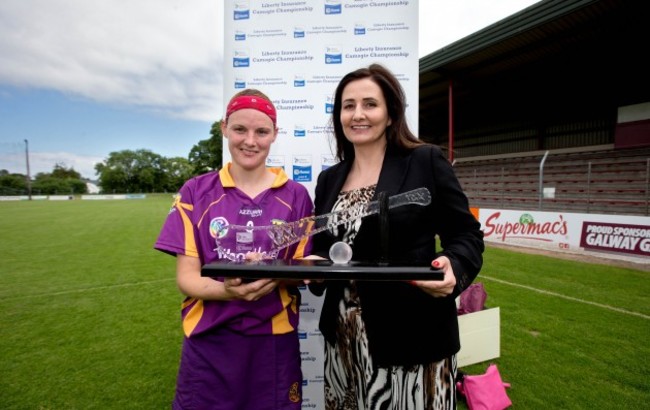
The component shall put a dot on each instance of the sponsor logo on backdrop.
(285, 104)
(302, 168)
(402, 79)
(317, 30)
(325, 79)
(240, 35)
(359, 29)
(315, 332)
(333, 7)
(267, 33)
(377, 27)
(307, 358)
(307, 310)
(333, 55)
(275, 161)
(241, 10)
(240, 82)
(298, 32)
(299, 80)
(283, 8)
(377, 52)
(326, 161)
(329, 104)
(615, 237)
(241, 58)
(268, 81)
(283, 56)
(301, 174)
(282, 132)
(319, 130)
(376, 4)
(299, 130)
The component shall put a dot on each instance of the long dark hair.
(398, 134)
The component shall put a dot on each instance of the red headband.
(254, 102)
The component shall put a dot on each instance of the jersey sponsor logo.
(223, 253)
(253, 212)
(216, 227)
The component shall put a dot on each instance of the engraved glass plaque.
(235, 241)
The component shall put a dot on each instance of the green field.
(90, 316)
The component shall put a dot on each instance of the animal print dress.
(351, 380)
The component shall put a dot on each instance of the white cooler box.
(480, 336)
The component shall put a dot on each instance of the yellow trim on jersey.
(281, 177)
(193, 316)
(280, 322)
(280, 200)
(207, 209)
(190, 242)
(225, 177)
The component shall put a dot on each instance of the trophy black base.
(315, 269)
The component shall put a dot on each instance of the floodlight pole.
(29, 179)
(541, 179)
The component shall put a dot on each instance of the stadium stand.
(567, 77)
(607, 180)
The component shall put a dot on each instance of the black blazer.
(405, 325)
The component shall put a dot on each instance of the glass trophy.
(235, 241)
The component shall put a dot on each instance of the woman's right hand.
(236, 288)
(439, 288)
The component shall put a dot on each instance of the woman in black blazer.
(392, 344)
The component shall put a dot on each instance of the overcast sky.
(80, 79)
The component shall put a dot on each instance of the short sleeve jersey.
(202, 206)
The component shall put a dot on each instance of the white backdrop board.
(296, 52)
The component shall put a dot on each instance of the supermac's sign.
(629, 235)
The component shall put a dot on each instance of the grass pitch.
(90, 316)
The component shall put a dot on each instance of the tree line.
(126, 171)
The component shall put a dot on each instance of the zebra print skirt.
(352, 383)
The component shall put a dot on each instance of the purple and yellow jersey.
(202, 206)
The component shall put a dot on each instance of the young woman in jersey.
(392, 344)
(240, 349)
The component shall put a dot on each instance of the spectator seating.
(597, 180)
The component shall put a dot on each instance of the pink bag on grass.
(485, 391)
(472, 299)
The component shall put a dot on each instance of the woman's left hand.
(439, 288)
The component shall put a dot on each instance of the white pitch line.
(81, 290)
(546, 292)
(587, 302)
